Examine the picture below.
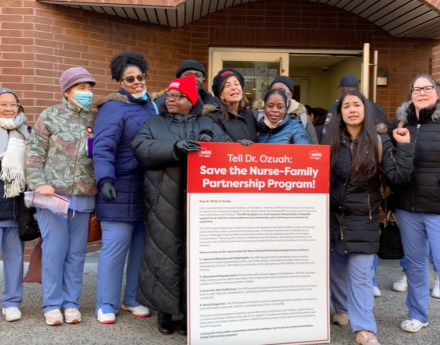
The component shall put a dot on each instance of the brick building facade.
(39, 41)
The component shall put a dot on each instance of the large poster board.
(258, 244)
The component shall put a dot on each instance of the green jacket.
(56, 151)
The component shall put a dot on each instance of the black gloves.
(205, 136)
(108, 191)
(245, 142)
(182, 147)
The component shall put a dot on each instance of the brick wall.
(298, 24)
(436, 63)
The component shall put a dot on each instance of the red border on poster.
(259, 168)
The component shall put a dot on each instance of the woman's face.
(421, 98)
(177, 103)
(232, 91)
(8, 106)
(133, 85)
(70, 93)
(275, 108)
(353, 110)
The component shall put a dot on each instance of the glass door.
(258, 67)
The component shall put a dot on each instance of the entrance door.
(257, 66)
(369, 73)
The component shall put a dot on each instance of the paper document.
(56, 203)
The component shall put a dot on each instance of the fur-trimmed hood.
(115, 96)
(209, 108)
(381, 128)
(294, 107)
(404, 112)
(156, 95)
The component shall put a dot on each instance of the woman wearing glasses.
(13, 136)
(119, 182)
(418, 203)
(161, 148)
(57, 162)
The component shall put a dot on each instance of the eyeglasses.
(130, 79)
(175, 96)
(12, 105)
(198, 75)
(427, 89)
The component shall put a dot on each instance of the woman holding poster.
(359, 152)
(161, 148)
(276, 126)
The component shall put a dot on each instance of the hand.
(182, 147)
(45, 190)
(204, 138)
(401, 135)
(108, 192)
(245, 142)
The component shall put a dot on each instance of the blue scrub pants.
(63, 254)
(118, 239)
(419, 231)
(403, 262)
(12, 254)
(351, 283)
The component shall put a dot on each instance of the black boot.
(183, 326)
(164, 323)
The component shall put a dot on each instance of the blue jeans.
(63, 254)
(12, 253)
(420, 231)
(118, 240)
(351, 282)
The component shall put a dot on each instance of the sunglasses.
(130, 79)
(175, 96)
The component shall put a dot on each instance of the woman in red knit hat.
(161, 148)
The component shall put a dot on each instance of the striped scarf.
(13, 136)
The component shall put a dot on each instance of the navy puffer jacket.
(289, 131)
(119, 119)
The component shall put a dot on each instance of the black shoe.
(164, 323)
(183, 327)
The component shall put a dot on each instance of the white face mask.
(141, 95)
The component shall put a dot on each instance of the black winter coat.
(162, 274)
(354, 208)
(8, 206)
(243, 127)
(422, 194)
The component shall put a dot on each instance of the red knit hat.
(186, 85)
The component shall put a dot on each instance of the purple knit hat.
(73, 76)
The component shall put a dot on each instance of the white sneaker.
(376, 292)
(72, 315)
(54, 317)
(435, 290)
(139, 311)
(14, 314)
(401, 285)
(106, 318)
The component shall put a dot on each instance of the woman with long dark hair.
(359, 152)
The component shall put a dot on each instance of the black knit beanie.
(285, 80)
(222, 76)
(185, 65)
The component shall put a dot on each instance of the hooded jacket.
(288, 131)
(119, 119)
(422, 194)
(237, 128)
(297, 111)
(162, 274)
(354, 207)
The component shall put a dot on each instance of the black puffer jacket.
(243, 127)
(8, 206)
(422, 194)
(354, 216)
(162, 275)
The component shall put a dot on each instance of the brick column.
(436, 63)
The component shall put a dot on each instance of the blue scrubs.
(12, 254)
(118, 239)
(63, 252)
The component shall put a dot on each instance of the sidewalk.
(390, 311)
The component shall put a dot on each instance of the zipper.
(13, 208)
(413, 191)
(342, 216)
(392, 155)
(369, 206)
(77, 151)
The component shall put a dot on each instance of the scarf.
(13, 136)
(270, 124)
